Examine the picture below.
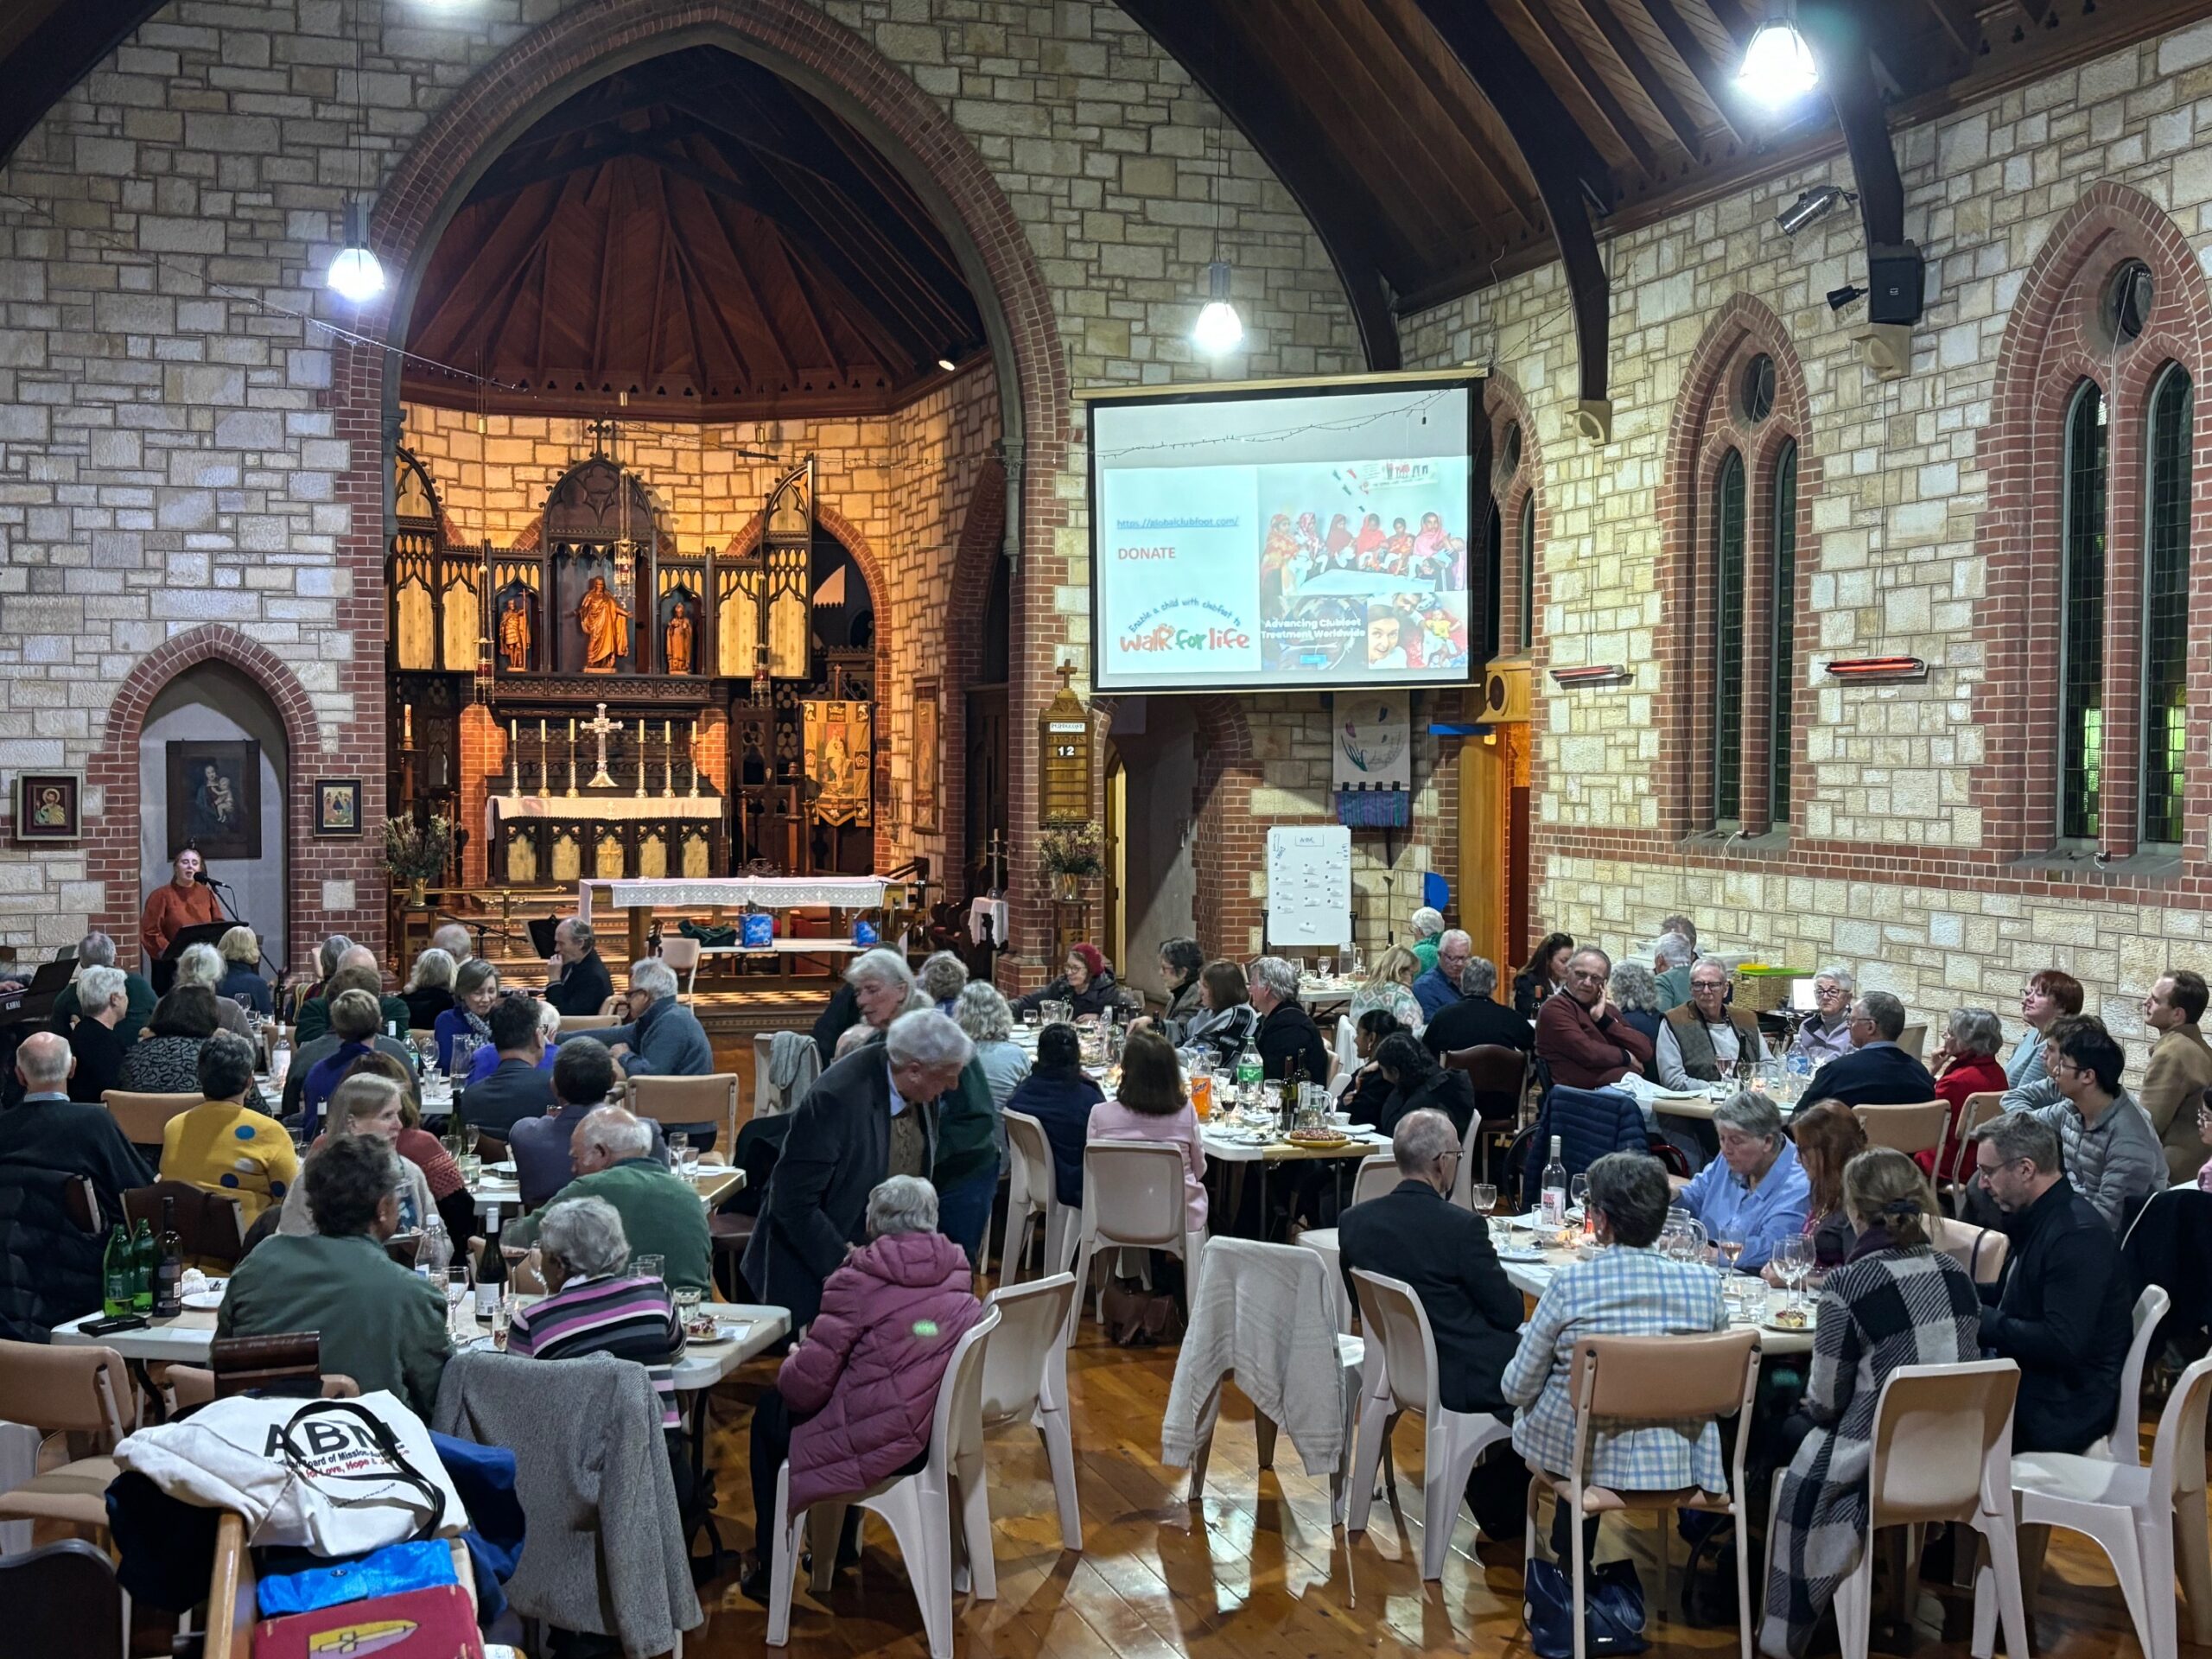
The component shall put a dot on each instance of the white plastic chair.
(930, 1513)
(1347, 1050)
(1378, 1174)
(1032, 1190)
(1340, 1085)
(2124, 1443)
(2134, 1515)
(681, 956)
(1026, 1380)
(1132, 1200)
(1323, 1242)
(1400, 1375)
(1310, 1272)
(1942, 1437)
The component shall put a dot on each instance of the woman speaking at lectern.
(184, 900)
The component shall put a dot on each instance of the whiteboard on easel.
(1309, 885)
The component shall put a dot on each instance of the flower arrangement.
(1074, 850)
(417, 854)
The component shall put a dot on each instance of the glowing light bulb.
(356, 275)
(1218, 328)
(1778, 66)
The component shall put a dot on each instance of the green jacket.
(137, 1008)
(966, 1142)
(314, 1019)
(381, 1325)
(661, 1216)
(1674, 988)
(1425, 951)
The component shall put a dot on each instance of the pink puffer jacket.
(862, 1386)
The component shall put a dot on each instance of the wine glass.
(1728, 1249)
(1483, 1195)
(456, 1290)
(1793, 1264)
(1578, 1189)
(679, 1149)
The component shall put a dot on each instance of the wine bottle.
(1555, 1188)
(142, 1267)
(491, 1273)
(169, 1266)
(115, 1274)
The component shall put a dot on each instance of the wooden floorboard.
(1253, 1570)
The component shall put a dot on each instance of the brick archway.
(796, 39)
(112, 857)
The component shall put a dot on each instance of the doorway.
(1152, 783)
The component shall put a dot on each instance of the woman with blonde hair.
(1390, 987)
(428, 991)
(240, 950)
(1896, 1301)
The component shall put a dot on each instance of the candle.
(407, 722)
(541, 731)
(572, 728)
(668, 731)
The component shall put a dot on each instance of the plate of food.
(1319, 1139)
(204, 1302)
(704, 1330)
(1792, 1321)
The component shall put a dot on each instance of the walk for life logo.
(1363, 478)
(1186, 627)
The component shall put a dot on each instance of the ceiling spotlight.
(1847, 294)
(356, 275)
(947, 364)
(1816, 203)
(1778, 66)
(1219, 328)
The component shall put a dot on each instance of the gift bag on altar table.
(756, 930)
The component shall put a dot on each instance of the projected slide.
(1291, 542)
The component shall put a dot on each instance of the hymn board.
(597, 701)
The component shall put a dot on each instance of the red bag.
(436, 1623)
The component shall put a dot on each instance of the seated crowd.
(869, 1228)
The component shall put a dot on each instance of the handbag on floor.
(1615, 1611)
(1137, 1318)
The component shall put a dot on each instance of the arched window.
(2082, 616)
(1529, 571)
(1782, 666)
(1493, 583)
(1728, 642)
(2165, 605)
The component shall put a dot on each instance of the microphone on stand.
(202, 877)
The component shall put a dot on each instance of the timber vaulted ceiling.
(698, 233)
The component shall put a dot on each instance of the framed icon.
(49, 805)
(338, 806)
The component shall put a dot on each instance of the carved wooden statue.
(606, 627)
(514, 633)
(679, 642)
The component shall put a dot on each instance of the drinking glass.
(1793, 1265)
(472, 1168)
(1483, 1195)
(1031, 1017)
(1201, 1095)
(1728, 1248)
(1578, 1189)
(464, 1053)
(679, 1149)
(502, 1312)
(456, 1290)
(649, 1266)
(469, 1136)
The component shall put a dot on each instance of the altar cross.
(600, 727)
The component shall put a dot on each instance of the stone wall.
(180, 450)
(1934, 520)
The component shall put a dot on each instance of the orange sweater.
(171, 910)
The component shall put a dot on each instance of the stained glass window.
(2165, 606)
(1785, 631)
(2081, 618)
(1728, 643)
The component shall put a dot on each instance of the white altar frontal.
(842, 895)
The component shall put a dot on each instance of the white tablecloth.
(767, 892)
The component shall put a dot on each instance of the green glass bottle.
(142, 1254)
(115, 1274)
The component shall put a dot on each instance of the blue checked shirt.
(1623, 1292)
(1762, 1219)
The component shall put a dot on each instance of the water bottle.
(1249, 1073)
(280, 1058)
(434, 1254)
(115, 1274)
(1554, 1189)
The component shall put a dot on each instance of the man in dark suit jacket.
(518, 1087)
(2062, 1310)
(840, 1147)
(1876, 1073)
(582, 983)
(1477, 1018)
(1414, 1232)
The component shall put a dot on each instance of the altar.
(846, 899)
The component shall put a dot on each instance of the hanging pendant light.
(1219, 328)
(1778, 66)
(357, 275)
